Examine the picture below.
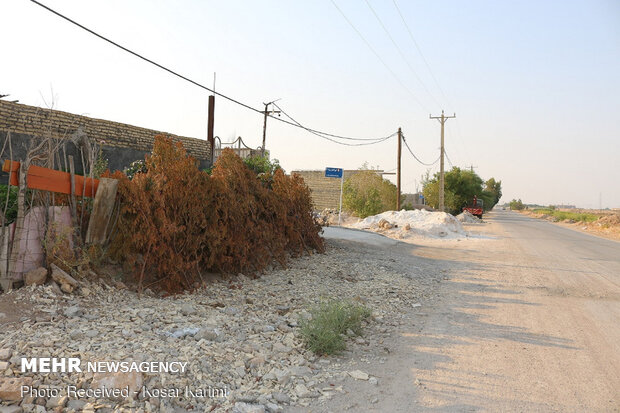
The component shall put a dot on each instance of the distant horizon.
(535, 102)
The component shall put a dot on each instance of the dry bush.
(176, 220)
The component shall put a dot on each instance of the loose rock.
(37, 276)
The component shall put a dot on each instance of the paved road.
(527, 322)
(532, 323)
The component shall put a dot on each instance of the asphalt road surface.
(529, 321)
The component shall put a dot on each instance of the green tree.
(516, 205)
(366, 193)
(461, 185)
(493, 189)
(261, 164)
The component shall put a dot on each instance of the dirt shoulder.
(239, 334)
(525, 322)
(608, 226)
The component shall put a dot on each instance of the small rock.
(209, 334)
(66, 288)
(184, 332)
(118, 380)
(383, 223)
(373, 381)
(281, 348)
(61, 277)
(231, 310)
(300, 371)
(282, 376)
(76, 404)
(5, 354)
(55, 402)
(303, 392)
(73, 311)
(358, 375)
(241, 407)
(3, 366)
(281, 398)
(11, 409)
(188, 309)
(37, 276)
(10, 387)
(273, 408)
(257, 361)
(407, 227)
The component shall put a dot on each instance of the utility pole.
(442, 119)
(211, 121)
(267, 112)
(400, 137)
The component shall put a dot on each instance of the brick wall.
(121, 143)
(325, 191)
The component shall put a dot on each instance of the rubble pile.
(239, 334)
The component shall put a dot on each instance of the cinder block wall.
(121, 143)
(325, 191)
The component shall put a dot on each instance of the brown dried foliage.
(177, 221)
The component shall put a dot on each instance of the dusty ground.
(528, 322)
(239, 333)
(523, 317)
(607, 227)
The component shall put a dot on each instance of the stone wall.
(121, 144)
(325, 191)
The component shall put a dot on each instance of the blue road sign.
(333, 172)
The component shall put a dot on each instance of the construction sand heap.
(411, 224)
(466, 217)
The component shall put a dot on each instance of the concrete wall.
(325, 191)
(121, 144)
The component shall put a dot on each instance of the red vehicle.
(475, 208)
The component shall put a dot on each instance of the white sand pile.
(467, 218)
(411, 224)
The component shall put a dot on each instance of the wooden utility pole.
(267, 112)
(442, 119)
(210, 123)
(400, 138)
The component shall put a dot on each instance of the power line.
(415, 157)
(448, 158)
(195, 83)
(328, 134)
(320, 135)
(428, 66)
(378, 56)
(402, 55)
(421, 54)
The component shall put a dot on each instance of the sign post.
(337, 173)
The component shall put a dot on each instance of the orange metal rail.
(51, 180)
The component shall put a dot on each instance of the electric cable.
(421, 54)
(415, 157)
(187, 79)
(327, 134)
(402, 55)
(375, 140)
(379, 57)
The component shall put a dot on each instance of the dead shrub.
(176, 220)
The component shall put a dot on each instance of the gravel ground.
(239, 335)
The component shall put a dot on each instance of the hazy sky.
(535, 84)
